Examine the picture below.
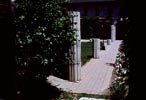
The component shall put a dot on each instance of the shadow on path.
(35, 89)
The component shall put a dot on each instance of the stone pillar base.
(108, 41)
(96, 48)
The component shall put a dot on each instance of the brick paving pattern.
(95, 74)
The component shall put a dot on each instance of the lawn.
(86, 51)
(75, 96)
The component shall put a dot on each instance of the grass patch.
(86, 51)
(77, 96)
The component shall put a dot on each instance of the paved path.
(95, 74)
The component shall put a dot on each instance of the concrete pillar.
(108, 41)
(113, 32)
(75, 63)
(96, 49)
(105, 43)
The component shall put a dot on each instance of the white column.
(96, 50)
(75, 63)
(105, 43)
(113, 32)
(108, 41)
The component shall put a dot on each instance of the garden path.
(95, 74)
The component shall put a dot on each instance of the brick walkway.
(95, 74)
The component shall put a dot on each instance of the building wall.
(93, 8)
(101, 11)
(91, 12)
(104, 11)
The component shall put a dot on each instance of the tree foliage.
(44, 36)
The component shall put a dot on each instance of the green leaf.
(44, 61)
(22, 17)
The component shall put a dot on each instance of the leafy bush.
(43, 39)
(120, 84)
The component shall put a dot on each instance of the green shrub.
(43, 39)
(120, 84)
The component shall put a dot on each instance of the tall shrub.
(120, 84)
(43, 37)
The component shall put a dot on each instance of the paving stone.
(86, 98)
(95, 75)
